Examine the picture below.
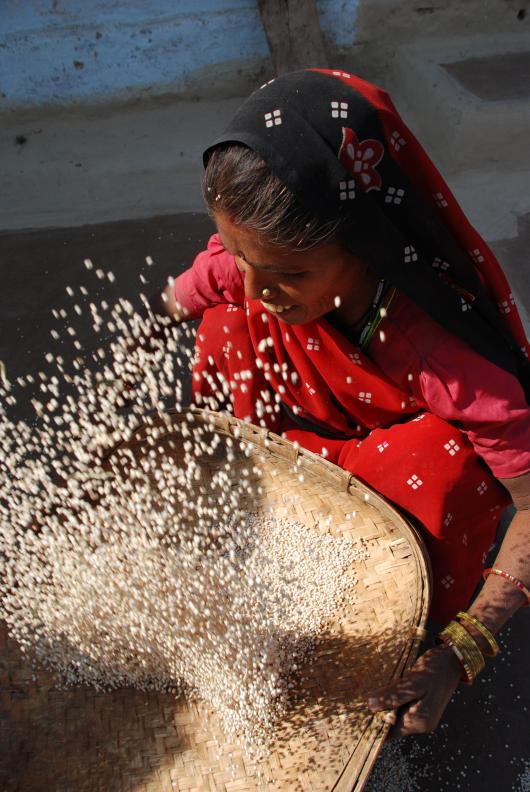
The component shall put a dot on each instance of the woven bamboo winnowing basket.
(83, 740)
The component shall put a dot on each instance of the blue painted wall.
(67, 51)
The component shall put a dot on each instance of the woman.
(348, 303)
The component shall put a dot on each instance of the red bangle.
(516, 582)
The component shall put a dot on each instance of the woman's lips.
(276, 309)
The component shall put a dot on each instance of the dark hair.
(238, 183)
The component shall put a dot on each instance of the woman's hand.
(422, 694)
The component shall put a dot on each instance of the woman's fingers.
(422, 695)
(416, 718)
(410, 688)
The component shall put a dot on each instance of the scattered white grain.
(158, 578)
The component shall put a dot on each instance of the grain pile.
(138, 571)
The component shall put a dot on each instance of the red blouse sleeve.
(452, 381)
(213, 278)
(486, 401)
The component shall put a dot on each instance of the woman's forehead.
(262, 254)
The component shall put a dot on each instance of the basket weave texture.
(81, 740)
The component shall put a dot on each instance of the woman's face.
(302, 285)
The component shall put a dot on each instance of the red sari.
(336, 141)
(424, 465)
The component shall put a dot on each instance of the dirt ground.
(482, 742)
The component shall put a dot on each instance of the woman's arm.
(164, 303)
(160, 304)
(424, 692)
(154, 312)
(499, 599)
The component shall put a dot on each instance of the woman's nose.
(257, 285)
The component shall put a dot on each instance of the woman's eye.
(295, 274)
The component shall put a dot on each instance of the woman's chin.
(291, 315)
(294, 316)
(299, 315)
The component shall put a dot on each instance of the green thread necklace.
(382, 300)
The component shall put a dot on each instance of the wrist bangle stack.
(516, 582)
(465, 648)
(464, 616)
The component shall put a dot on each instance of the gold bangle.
(468, 646)
(465, 648)
(468, 671)
(483, 630)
